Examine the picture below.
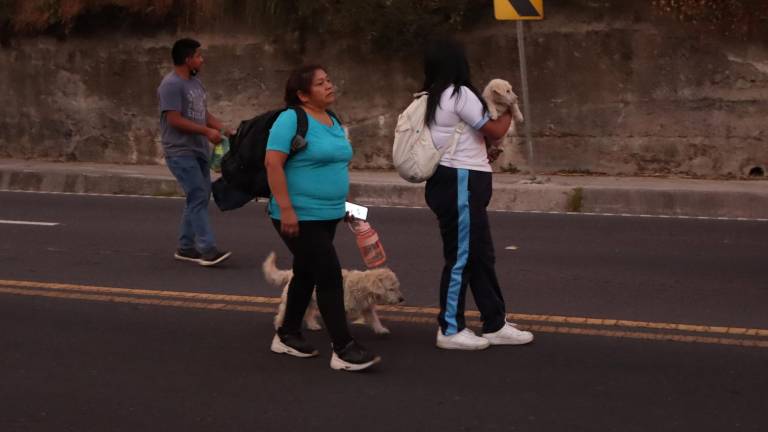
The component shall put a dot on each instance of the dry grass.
(383, 23)
(35, 16)
(734, 18)
(30, 16)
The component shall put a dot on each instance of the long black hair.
(445, 64)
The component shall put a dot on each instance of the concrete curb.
(693, 198)
(91, 183)
(606, 195)
(685, 202)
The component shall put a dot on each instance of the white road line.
(15, 222)
(564, 213)
(626, 215)
(92, 194)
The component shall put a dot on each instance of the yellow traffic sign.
(518, 9)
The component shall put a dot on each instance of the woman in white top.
(458, 193)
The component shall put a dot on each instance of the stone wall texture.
(614, 89)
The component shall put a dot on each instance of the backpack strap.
(333, 114)
(455, 138)
(456, 132)
(299, 142)
(302, 123)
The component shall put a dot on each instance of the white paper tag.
(357, 211)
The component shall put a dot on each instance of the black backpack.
(244, 176)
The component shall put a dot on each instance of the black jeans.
(459, 198)
(315, 264)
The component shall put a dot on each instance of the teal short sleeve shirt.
(318, 176)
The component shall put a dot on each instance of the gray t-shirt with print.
(189, 99)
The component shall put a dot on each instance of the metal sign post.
(522, 10)
(526, 99)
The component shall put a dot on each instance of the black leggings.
(315, 264)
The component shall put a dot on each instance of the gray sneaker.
(213, 257)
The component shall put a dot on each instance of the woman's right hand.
(289, 223)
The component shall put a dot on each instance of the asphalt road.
(135, 340)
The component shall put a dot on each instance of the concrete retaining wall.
(615, 89)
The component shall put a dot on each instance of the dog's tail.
(274, 275)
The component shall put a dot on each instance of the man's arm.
(215, 123)
(177, 121)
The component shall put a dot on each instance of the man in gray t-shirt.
(186, 97)
(186, 127)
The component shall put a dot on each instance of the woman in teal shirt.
(308, 195)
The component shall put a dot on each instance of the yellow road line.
(549, 319)
(603, 322)
(386, 317)
(738, 331)
(753, 343)
(604, 333)
(140, 292)
(136, 300)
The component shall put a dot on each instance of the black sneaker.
(190, 254)
(353, 358)
(292, 344)
(213, 257)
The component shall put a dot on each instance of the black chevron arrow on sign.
(524, 8)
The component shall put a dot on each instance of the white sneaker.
(509, 335)
(463, 340)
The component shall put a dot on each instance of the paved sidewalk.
(612, 195)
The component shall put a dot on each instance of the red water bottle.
(369, 244)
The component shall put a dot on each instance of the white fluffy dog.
(363, 290)
(500, 98)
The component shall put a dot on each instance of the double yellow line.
(652, 331)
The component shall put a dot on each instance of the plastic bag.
(219, 150)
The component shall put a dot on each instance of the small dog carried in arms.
(500, 98)
(363, 290)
